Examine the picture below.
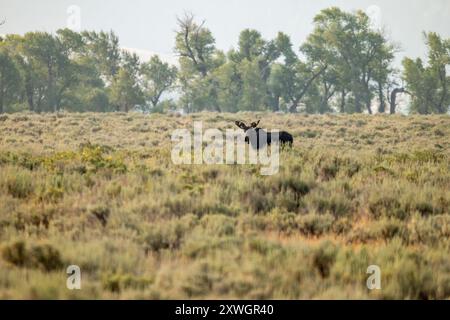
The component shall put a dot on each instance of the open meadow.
(99, 190)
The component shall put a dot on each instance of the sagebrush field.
(100, 191)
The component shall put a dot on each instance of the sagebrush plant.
(100, 191)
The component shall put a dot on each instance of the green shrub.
(20, 185)
(336, 204)
(387, 205)
(329, 171)
(387, 229)
(282, 221)
(323, 258)
(51, 194)
(119, 282)
(297, 186)
(314, 224)
(258, 202)
(41, 256)
(264, 247)
(409, 278)
(114, 190)
(429, 230)
(199, 245)
(45, 257)
(167, 235)
(15, 254)
(425, 208)
(101, 213)
(219, 225)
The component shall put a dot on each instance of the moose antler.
(255, 124)
(245, 127)
(242, 125)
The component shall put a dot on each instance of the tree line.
(344, 66)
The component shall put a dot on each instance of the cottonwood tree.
(344, 65)
(158, 77)
(9, 77)
(103, 49)
(125, 90)
(292, 81)
(33, 86)
(42, 50)
(269, 72)
(392, 98)
(429, 83)
(350, 47)
(198, 58)
(195, 45)
(48, 66)
(228, 79)
(327, 82)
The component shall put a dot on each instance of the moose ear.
(255, 124)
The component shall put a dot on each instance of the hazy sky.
(149, 25)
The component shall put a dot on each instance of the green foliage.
(120, 282)
(10, 78)
(344, 66)
(159, 78)
(125, 90)
(314, 224)
(356, 57)
(429, 84)
(41, 256)
(19, 185)
(324, 257)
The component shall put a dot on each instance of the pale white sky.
(149, 25)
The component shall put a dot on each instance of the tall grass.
(97, 191)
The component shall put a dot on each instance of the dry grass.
(100, 191)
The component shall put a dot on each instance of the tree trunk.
(342, 106)
(50, 89)
(443, 80)
(393, 102)
(29, 92)
(30, 100)
(357, 104)
(357, 95)
(293, 107)
(322, 107)
(39, 102)
(324, 99)
(1, 101)
(382, 106)
(368, 101)
(369, 109)
(1, 93)
(276, 103)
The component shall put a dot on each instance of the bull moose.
(253, 134)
